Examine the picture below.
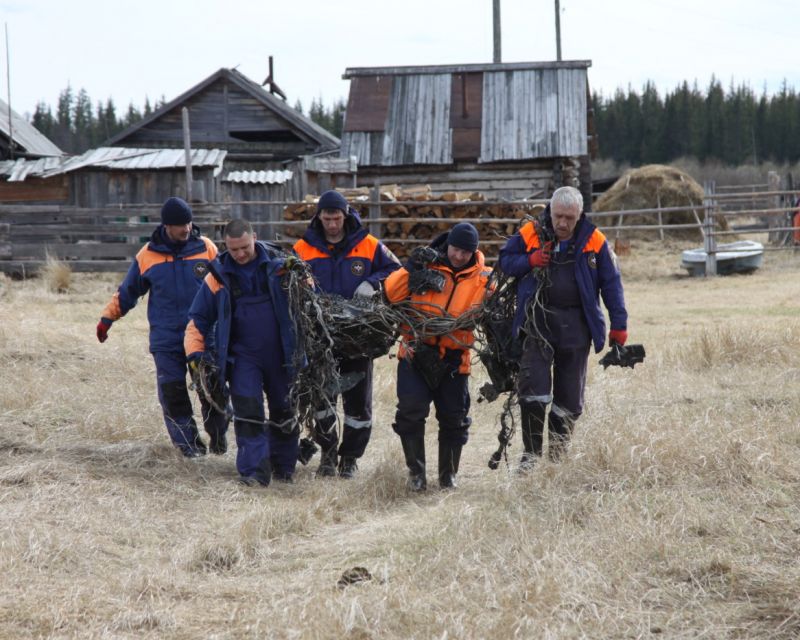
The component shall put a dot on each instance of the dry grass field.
(675, 515)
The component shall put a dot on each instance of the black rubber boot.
(414, 451)
(532, 414)
(559, 430)
(449, 457)
(348, 467)
(327, 465)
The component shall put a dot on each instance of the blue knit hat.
(332, 200)
(463, 236)
(176, 211)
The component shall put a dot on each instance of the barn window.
(281, 135)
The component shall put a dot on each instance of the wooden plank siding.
(368, 104)
(466, 113)
(572, 113)
(498, 181)
(520, 116)
(54, 189)
(99, 187)
(484, 113)
(226, 116)
(418, 124)
(366, 146)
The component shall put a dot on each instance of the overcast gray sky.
(129, 50)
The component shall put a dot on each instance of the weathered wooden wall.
(54, 189)
(533, 114)
(225, 116)
(537, 178)
(99, 188)
(421, 116)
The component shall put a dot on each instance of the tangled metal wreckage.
(330, 328)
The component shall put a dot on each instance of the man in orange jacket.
(437, 368)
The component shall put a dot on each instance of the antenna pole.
(8, 91)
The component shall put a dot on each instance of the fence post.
(709, 241)
(187, 151)
(774, 181)
(375, 209)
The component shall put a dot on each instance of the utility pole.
(187, 153)
(10, 119)
(558, 30)
(497, 43)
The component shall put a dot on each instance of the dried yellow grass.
(56, 274)
(676, 513)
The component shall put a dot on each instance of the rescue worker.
(569, 262)
(243, 310)
(347, 260)
(170, 267)
(453, 282)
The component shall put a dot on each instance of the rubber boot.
(327, 465)
(414, 451)
(449, 457)
(532, 414)
(559, 429)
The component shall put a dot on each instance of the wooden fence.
(106, 239)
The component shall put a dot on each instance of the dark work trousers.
(357, 403)
(556, 350)
(257, 369)
(450, 398)
(176, 405)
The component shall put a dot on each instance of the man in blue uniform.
(171, 267)
(564, 265)
(346, 260)
(243, 310)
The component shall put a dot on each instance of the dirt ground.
(675, 515)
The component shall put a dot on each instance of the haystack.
(651, 187)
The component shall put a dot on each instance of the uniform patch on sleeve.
(200, 269)
(592, 259)
(357, 268)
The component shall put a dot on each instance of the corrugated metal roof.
(527, 111)
(33, 141)
(18, 170)
(259, 177)
(117, 158)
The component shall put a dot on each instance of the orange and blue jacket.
(171, 275)
(210, 322)
(341, 268)
(596, 274)
(463, 291)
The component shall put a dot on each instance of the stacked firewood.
(412, 216)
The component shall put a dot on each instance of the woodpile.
(410, 217)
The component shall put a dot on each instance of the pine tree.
(83, 122)
(62, 132)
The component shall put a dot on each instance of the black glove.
(421, 257)
(424, 280)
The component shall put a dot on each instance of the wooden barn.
(507, 130)
(229, 111)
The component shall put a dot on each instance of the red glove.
(102, 329)
(618, 335)
(541, 258)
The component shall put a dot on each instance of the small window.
(281, 135)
